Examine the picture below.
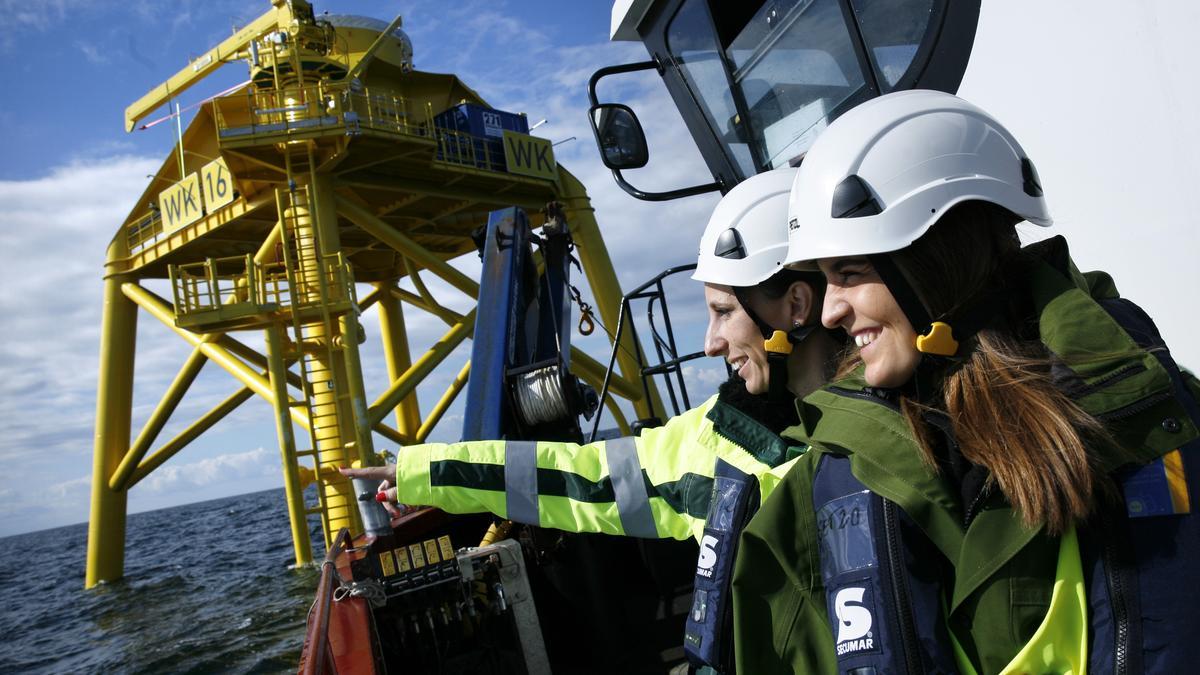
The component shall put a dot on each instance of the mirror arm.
(663, 196)
(631, 190)
(613, 70)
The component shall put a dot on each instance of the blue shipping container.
(487, 126)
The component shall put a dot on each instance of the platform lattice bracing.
(326, 174)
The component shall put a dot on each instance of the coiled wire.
(540, 397)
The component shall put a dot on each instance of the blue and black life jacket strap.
(708, 631)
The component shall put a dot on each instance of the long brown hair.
(1006, 413)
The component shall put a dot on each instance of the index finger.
(370, 472)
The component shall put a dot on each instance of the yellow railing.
(459, 147)
(322, 105)
(339, 283)
(143, 230)
(238, 280)
(216, 282)
(388, 112)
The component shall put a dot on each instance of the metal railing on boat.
(316, 638)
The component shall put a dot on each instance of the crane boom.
(278, 17)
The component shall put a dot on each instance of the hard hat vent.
(853, 199)
(1032, 184)
(729, 245)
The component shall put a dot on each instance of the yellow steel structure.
(325, 172)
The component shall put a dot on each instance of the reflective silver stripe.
(632, 503)
(520, 481)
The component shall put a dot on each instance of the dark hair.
(778, 284)
(1006, 412)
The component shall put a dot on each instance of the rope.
(370, 589)
(540, 397)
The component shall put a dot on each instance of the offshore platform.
(336, 168)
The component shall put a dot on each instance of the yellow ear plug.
(939, 340)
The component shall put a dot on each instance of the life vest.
(1140, 557)
(708, 633)
(882, 586)
(1122, 602)
(1124, 599)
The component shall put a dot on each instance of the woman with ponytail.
(1002, 475)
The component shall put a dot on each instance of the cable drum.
(540, 397)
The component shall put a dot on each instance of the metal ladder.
(310, 287)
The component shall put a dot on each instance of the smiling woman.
(997, 430)
(663, 483)
(857, 301)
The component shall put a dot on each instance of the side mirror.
(619, 135)
(621, 140)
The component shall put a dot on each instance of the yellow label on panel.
(179, 205)
(385, 561)
(418, 556)
(216, 184)
(402, 559)
(1177, 485)
(447, 549)
(529, 156)
(431, 551)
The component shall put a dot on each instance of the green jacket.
(1002, 573)
(656, 485)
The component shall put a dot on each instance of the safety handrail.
(144, 229)
(316, 636)
(199, 287)
(670, 362)
(339, 104)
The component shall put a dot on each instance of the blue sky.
(71, 174)
(1102, 101)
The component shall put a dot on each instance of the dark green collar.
(1103, 368)
(754, 438)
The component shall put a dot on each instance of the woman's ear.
(800, 296)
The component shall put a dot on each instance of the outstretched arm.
(656, 485)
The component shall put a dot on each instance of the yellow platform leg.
(301, 543)
(397, 356)
(114, 403)
(360, 416)
(598, 268)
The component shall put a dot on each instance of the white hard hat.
(746, 238)
(883, 173)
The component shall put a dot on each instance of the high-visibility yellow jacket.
(657, 485)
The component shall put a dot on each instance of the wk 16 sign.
(198, 193)
(529, 155)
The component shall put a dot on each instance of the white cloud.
(708, 377)
(222, 468)
(95, 55)
(51, 265)
(35, 15)
(72, 488)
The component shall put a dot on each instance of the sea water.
(207, 589)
